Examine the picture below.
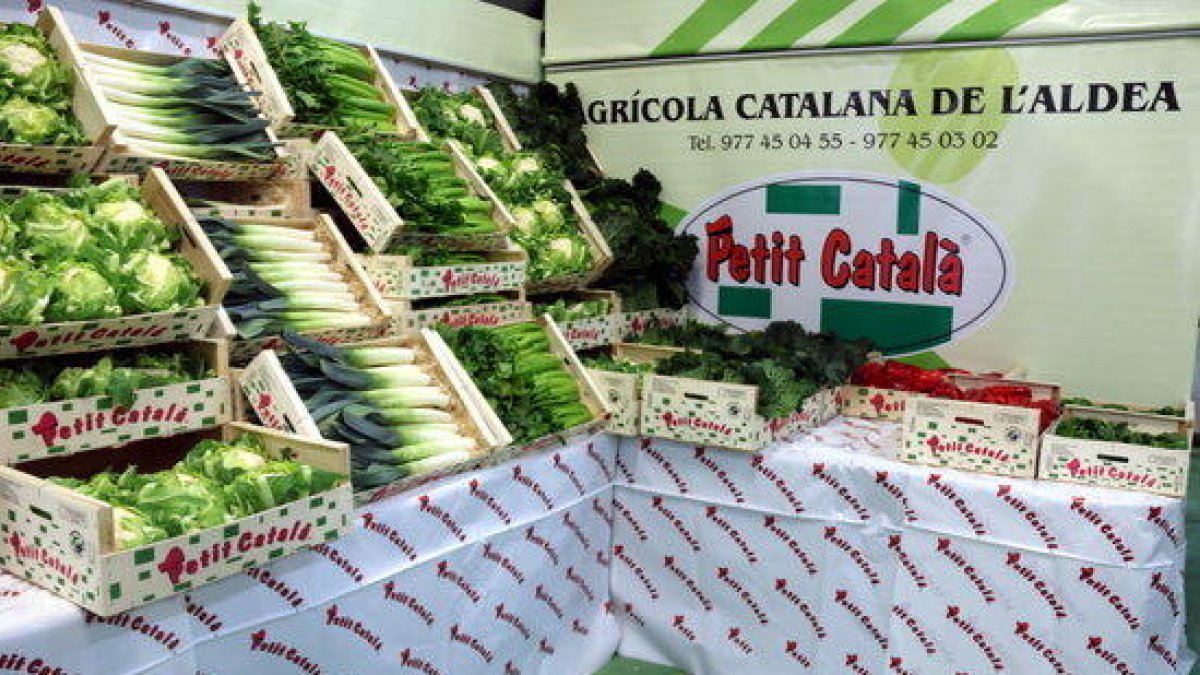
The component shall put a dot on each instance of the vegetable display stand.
(343, 262)
(623, 391)
(723, 414)
(241, 42)
(371, 214)
(398, 277)
(63, 159)
(64, 427)
(134, 330)
(66, 542)
(633, 325)
(512, 308)
(276, 403)
(970, 436)
(1118, 464)
(575, 314)
(102, 121)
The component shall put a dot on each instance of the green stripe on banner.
(816, 200)
(798, 20)
(749, 303)
(704, 24)
(997, 19)
(885, 23)
(892, 326)
(908, 210)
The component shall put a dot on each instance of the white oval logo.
(892, 260)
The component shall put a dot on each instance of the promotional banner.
(1024, 208)
(583, 30)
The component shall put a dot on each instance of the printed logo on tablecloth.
(601, 512)
(842, 597)
(818, 470)
(164, 29)
(782, 587)
(734, 637)
(136, 623)
(896, 544)
(897, 493)
(105, 18)
(602, 560)
(626, 611)
(1157, 584)
(896, 666)
(410, 660)
(679, 623)
(1169, 657)
(1028, 514)
(476, 645)
(626, 473)
(634, 524)
(638, 571)
(277, 586)
(792, 649)
(542, 544)
(657, 504)
(260, 642)
(701, 457)
(977, 637)
(1095, 645)
(546, 647)
(442, 517)
(739, 590)
(946, 550)
(712, 513)
(572, 576)
(1044, 590)
(1105, 528)
(393, 536)
(514, 621)
(909, 621)
(533, 486)
(494, 555)
(334, 617)
(853, 552)
(964, 509)
(577, 531)
(759, 464)
(856, 667)
(1154, 516)
(489, 501)
(393, 593)
(17, 662)
(339, 561)
(1119, 605)
(542, 595)
(665, 464)
(1040, 647)
(579, 628)
(793, 545)
(458, 581)
(511, 668)
(200, 615)
(569, 471)
(688, 582)
(600, 462)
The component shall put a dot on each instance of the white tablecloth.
(501, 571)
(824, 555)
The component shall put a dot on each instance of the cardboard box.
(140, 329)
(623, 391)
(64, 541)
(396, 277)
(873, 402)
(371, 214)
(972, 436)
(277, 404)
(590, 395)
(242, 45)
(723, 414)
(65, 427)
(64, 159)
(343, 261)
(1123, 466)
(592, 332)
(407, 318)
(633, 325)
(101, 122)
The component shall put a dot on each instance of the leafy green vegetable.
(157, 283)
(1118, 432)
(618, 365)
(551, 120)
(460, 116)
(35, 91)
(214, 484)
(528, 387)
(19, 388)
(117, 377)
(327, 83)
(563, 310)
(81, 292)
(425, 256)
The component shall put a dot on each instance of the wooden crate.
(1123, 466)
(343, 261)
(60, 428)
(140, 329)
(64, 541)
(633, 325)
(874, 402)
(623, 391)
(406, 318)
(371, 214)
(101, 122)
(971, 436)
(64, 159)
(396, 277)
(596, 331)
(242, 45)
(269, 198)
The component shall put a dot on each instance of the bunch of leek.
(392, 412)
(283, 280)
(193, 109)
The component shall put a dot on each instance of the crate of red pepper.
(980, 423)
(878, 389)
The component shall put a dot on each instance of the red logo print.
(105, 19)
(392, 592)
(568, 471)
(492, 554)
(489, 501)
(840, 490)
(854, 666)
(792, 649)
(202, 616)
(960, 504)
(578, 627)
(791, 543)
(760, 465)
(577, 531)
(52, 431)
(542, 595)
(1156, 583)
(896, 665)
(937, 446)
(1155, 516)
(535, 487)
(545, 647)
(623, 510)
(440, 515)
(164, 29)
(1048, 654)
(968, 570)
(276, 585)
(1105, 528)
(910, 622)
(1004, 493)
(953, 613)
(842, 597)
(1088, 576)
(722, 475)
(603, 465)
(512, 620)
(340, 561)
(390, 533)
(137, 624)
(260, 643)
(740, 591)
(734, 635)
(573, 577)
(894, 544)
(1078, 469)
(626, 474)
(672, 420)
(679, 623)
(665, 464)
(1013, 561)
(34, 6)
(781, 585)
(475, 644)
(599, 510)
(542, 544)
(881, 479)
(855, 554)
(1157, 647)
(1094, 645)
(454, 280)
(458, 581)
(409, 661)
(688, 582)
(175, 564)
(334, 618)
(619, 551)
(676, 522)
(43, 558)
(711, 514)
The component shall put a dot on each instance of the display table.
(503, 570)
(823, 555)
